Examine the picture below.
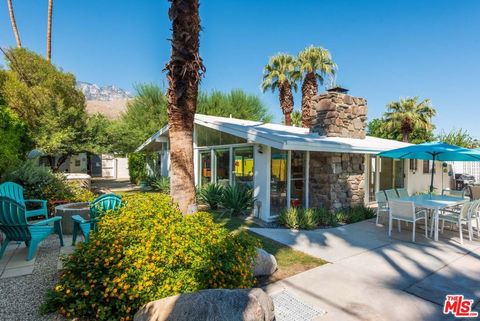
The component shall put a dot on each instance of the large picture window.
(222, 164)
(243, 166)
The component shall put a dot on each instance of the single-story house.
(333, 164)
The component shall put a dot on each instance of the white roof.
(286, 137)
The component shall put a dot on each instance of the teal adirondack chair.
(101, 204)
(14, 224)
(15, 192)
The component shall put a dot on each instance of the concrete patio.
(374, 277)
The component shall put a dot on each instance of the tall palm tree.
(14, 24)
(297, 119)
(408, 114)
(49, 30)
(315, 63)
(184, 71)
(281, 73)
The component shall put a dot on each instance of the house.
(333, 164)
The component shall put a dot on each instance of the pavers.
(373, 277)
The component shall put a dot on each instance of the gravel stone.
(21, 297)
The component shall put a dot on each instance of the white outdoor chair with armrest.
(453, 193)
(405, 211)
(391, 194)
(460, 218)
(382, 207)
(402, 193)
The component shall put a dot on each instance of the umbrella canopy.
(434, 151)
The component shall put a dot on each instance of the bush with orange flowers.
(146, 251)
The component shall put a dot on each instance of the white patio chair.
(474, 192)
(391, 194)
(382, 207)
(402, 193)
(475, 215)
(405, 211)
(460, 218)
(453, 193)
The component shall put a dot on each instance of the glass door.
(297, 180)
(278, 180)
(243, 164)
(205, 167)
(222, 162)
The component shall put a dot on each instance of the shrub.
(146, 251)
(161, 184)
(39, 182)
(137, 167)
(290, 217)
(237, 198)
(309, 219)
(81, 194)
(211, 194)
(355, 214)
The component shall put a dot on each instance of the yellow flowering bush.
(147, 251)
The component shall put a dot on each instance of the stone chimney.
(336, 114)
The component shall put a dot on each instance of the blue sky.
(384, 49)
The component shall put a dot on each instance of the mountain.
(110, 101)
(104, 93)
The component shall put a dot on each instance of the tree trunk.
(49, 30)
(14, 24)
(184, 71)
(309, 90)
(405, 137)
(286, 102)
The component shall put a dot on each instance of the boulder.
(210, 305)
(265, 263)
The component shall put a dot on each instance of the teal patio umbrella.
(436, 151)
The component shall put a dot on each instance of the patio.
(373, 277)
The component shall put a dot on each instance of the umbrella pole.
(433, 173)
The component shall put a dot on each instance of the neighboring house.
(104, 165)
(333, 164)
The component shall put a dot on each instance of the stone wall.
(339, 115)
(336, 180)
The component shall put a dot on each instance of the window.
(426, 167)
(278, 180)
(222, 162)
(211, 137)
(243, 164)
(297, 180)
(413, 165)
(205, 167)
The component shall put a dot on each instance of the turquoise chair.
(14, 224)
(103, 203)
(15, 192)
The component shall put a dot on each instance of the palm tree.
(49, 30)
(14, 24)
(281, 73)
(315, 63)
(297, 118)
(184, 71)
(408, 114)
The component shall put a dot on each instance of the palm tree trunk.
(14, 24)
(184, 71)
(405, 137)
(286, 102)
(309, 90)
(49, 30)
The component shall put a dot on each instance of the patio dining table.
(435, 203)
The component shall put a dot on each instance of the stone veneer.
(339, 115)
(337, 179)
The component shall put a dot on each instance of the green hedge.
(146, 251)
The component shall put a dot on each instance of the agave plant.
(161, 184)
(237, 198)
(211, 194)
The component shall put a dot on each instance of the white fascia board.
(330, 147)
(154, 138)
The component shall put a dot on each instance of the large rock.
(265, 263)
(211, 305)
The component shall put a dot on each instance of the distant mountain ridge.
(102, 93)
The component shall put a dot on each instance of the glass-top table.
(435, 203)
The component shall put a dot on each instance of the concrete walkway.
(373, 277)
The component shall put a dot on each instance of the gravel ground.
(21, 297)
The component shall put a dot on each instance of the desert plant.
(354, 214)
(211, 194)
(161, 184)
(290, 217)
(146, 251)
(237, 198)
(309, 219)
